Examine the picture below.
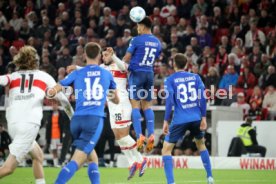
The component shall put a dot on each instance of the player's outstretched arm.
(65, 104)
(110, 54)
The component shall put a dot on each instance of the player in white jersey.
(27, 88)
(120, 114)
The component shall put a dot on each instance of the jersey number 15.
(149, 56)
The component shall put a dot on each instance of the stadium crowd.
(228, 43)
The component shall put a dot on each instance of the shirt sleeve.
(4, 80)
(112, 82)
(202, 99)
(132, 46)
(169, 100)
(69, 79)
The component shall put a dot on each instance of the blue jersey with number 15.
(91, 84)
(144, 49)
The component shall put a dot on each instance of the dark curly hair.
(26, 59)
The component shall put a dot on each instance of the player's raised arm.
(109, 54)
(130, 50)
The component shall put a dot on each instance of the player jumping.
(186, 94)
(27, 88)
(143, 50)
(91, 85)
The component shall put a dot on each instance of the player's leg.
(204, 154)
(135, 86)
(93, 170)
(37, 157)
(9, 166)
(148, 112)
(176, 132)
(87, 131)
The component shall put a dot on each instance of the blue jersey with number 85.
(144, 49)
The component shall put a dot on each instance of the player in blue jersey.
(91, 85)
(143, 50)
(186, 93)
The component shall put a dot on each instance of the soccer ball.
(137, 14)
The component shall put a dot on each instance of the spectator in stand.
(61, 73)
(65, 59)
(189, 53)
(230, 78)
(253, 34)
(235, 61)
(120, 48)
(201, 5)
(175, 43)
(222, 60)
(5, 140)
(224, 41)
(261, 67)
(206, 53)
(203, 23)
(16, 22)
(256, 96)
(48, 67)
(204, 38)
(212, 78)
(195, 69)
(269, 78)
(204, 68)
(79, 56)
(255, 112)
(184, 9)
(127, 36)
(107, 15)
(188, 34)
(241, 103)
(269, 102)
(247, 79)
(196, 48)
(255, 56)
(3, 19)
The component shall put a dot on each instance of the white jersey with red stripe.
(26, 95)
(120, 114)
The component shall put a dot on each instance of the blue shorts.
(176, 132)
(86, 131)
(140, 84)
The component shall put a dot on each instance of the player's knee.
(166, 150)
(200, 144)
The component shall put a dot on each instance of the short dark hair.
(180, 60)
(92, 50)
(146, 22)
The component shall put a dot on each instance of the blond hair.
(26, 58)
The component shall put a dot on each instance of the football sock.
(206, 162)
(168, 168)
(40, 181)
(126, 151)
(136, 119)
(93, 173)
(67, 172)
(133, 148)
(149, 115)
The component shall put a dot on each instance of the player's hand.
(110, 50)
(165, 127)
(71, 68)
(203, 124)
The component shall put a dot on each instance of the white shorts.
(55, 144)
(120, 114)
(23, 135)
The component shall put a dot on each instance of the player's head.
(92, 51)
(144, 26)
(180, 61)
(26, 59)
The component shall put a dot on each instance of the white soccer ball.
(137, 14)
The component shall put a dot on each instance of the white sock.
(131, 144)
(40, 181)
(126, 152)
(55, 160)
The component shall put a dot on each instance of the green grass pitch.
(152, 176)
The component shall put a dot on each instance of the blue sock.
(206, 162)
(67, 172)
(168, 168)
(149, 115)
(93, 173)
(136, 119)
